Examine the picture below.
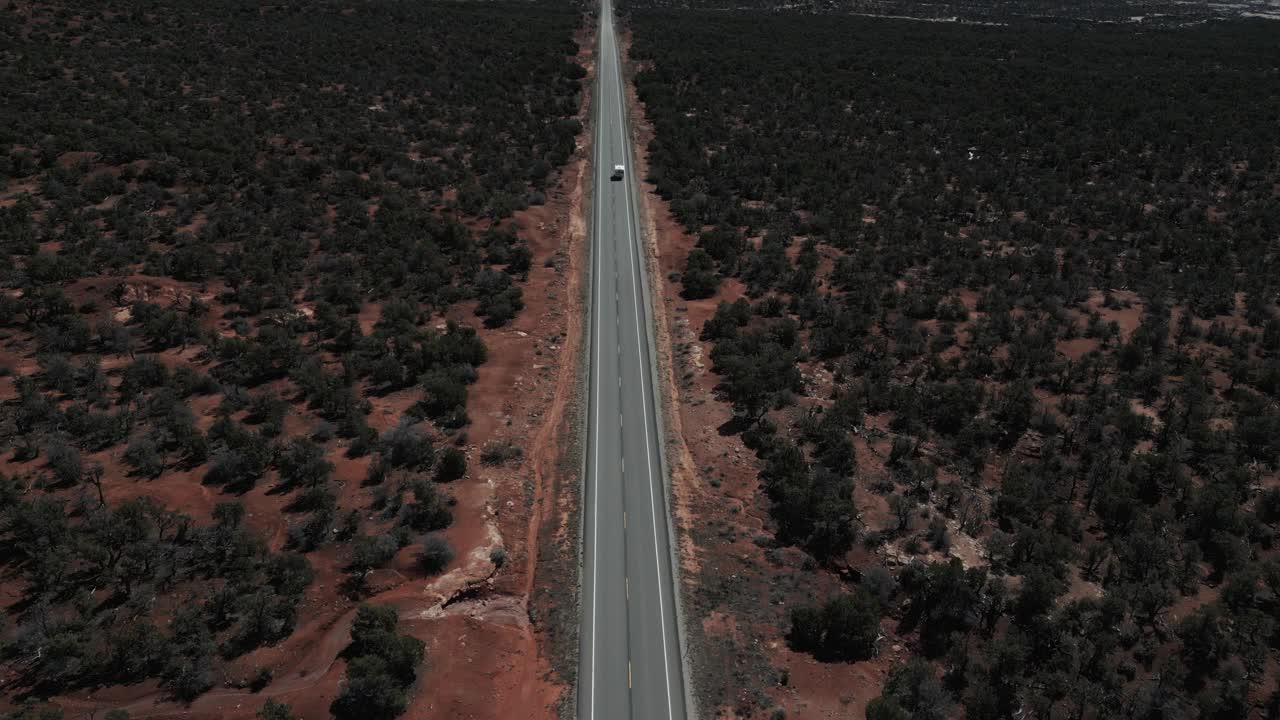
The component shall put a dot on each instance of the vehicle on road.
(618, 172)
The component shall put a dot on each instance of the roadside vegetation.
(228, 233)
(1008, 288)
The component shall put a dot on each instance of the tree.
(237, 471)
(757, 373)
(269, 410)
(1206, 643)
(405, 446)
(94, 476)
(446, 397)
(699, 278)
(303, 463)
(65, 462)
(844, 629)
(144, 456)
(369, 691)
(812, 507)
(903, 507)
(452, 465)
(436, 554)
(381, 665)
(369, 552)
(429, 509)
(1013, 411)
(500, 300)
(911, 691)
(189, 671)
(942, 600)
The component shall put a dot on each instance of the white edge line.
(595, 431)
(644, 403)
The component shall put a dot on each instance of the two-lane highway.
(630, 663)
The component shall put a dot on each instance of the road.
(630, 663)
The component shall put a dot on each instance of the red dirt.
(1127, 317)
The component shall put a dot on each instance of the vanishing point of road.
(629, 661)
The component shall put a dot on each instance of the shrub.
(429, 509)
(303, 463)
(699, 278)
(446, 397)
(844, 629)
(64, 462)
(144, 457)
(369, 692)
(452, 465)
(938, 536)
(405, 446)
(369, 552)
(323, 432)
(498, 452)
(436, 554)
(234, 470)
(498, 556)
(261, 680)
(274, 710)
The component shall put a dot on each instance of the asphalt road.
(630, 664)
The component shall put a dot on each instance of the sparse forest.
(227, 230)
(1008, 288)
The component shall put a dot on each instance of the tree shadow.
(735, 425)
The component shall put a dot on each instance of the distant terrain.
(977, 345)
(1146, 13)
(253, 260)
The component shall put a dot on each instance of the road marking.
(627, 580)
(644, 403)
(628, 674)
(595, 471)
(624, 519)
